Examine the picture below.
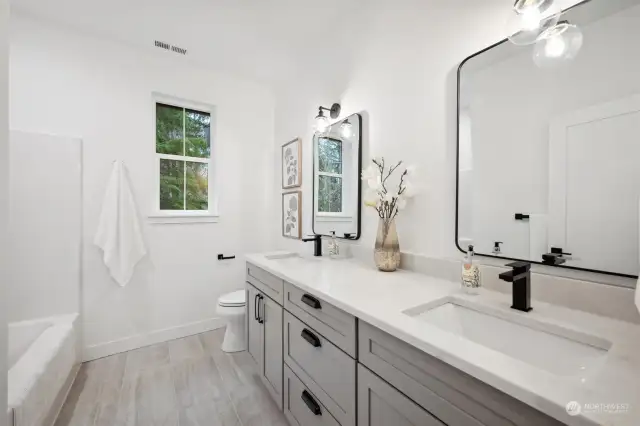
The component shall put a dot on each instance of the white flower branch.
(377, 175)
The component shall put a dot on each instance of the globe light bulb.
(558, 45)
(531, 20)
(322, 123)
(555, 47)
(346, 129)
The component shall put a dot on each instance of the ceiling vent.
(170, 47)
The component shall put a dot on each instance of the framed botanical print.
(291, 214)
(292, 164)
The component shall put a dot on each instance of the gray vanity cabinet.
(325, 367)
(379, 404)
(264, 335)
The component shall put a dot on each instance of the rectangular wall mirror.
(548, 166)
(337, 164)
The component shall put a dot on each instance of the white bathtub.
(42, 361)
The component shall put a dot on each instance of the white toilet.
(231, 307)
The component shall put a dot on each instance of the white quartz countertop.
(380, 298)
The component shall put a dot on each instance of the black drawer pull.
(311, 338)
(313, 406)
(311, 301)
(255, 307)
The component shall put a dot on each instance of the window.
(330, 176)
(183, 151)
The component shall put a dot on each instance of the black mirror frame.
(457, 243)
(313, 184)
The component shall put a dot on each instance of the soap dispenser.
(334, 248)
(470, 273)
(497, 251)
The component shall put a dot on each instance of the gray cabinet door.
(379, 404)
(254, 328)
(271, 314)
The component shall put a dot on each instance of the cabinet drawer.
(327, 371)
(379, 404)
(301, 407)
(267, 283)
(333, 323)
(452, 396)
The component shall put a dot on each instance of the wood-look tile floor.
(184, 382)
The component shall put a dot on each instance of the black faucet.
(555, 257)
(520, 276)
(317, 244)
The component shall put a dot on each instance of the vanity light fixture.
(346, 128)
(322, 122)
(557, 45)
(530, 18)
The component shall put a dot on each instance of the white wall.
(72, 84)
(404, 80)
(4, 196)
(45, 226)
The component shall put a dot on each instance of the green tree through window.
(329, 175)
(183, 145)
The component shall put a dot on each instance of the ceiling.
(267, 40)
(271, 41)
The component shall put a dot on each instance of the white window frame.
(186, 216)
(330, 216)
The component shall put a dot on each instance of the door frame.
(558, 130)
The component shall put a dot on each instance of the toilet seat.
(234, 299)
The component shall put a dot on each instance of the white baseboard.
(141, 340)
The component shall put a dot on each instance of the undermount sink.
(281, 255)
(290, 255)
(558, 350)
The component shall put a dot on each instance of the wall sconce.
(322, 122)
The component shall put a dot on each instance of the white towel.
(538, 244)
(118, 232)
